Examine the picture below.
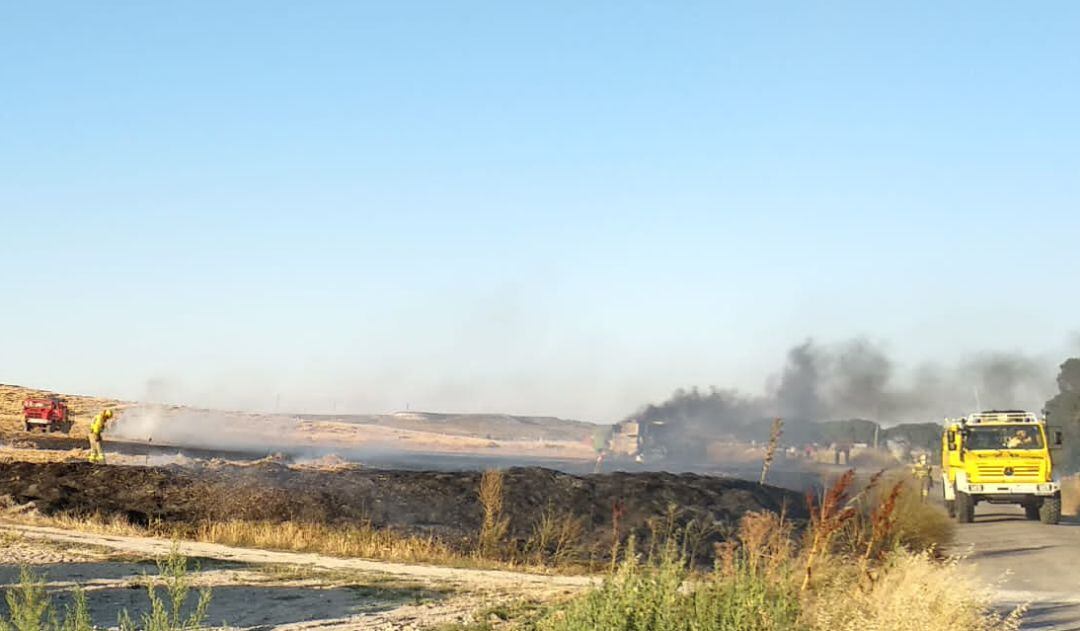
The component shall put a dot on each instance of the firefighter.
(921, 470)
(842, 448)
(1020, 440)
(97, 454)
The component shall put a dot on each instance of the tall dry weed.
(495, 524)
(827, 518)
(770, 451)
(883, 523)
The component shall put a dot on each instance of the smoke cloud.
(858, 379)
(166, 425)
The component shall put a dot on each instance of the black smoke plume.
(854, 379)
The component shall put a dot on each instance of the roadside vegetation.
(31, 608)
(867, 561)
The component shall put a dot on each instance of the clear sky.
(548, 207)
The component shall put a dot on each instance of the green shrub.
(660, 594)
(30, 608)
(167, 614)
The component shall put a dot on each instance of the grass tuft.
(494, 526)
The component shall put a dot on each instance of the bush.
(751, 589)
(31, 609)
(167, 614)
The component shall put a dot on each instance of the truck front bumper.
(1042, 489)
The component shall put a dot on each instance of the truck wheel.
(1050, 511)
(950, 507)
(965, 508)
(1031, 511)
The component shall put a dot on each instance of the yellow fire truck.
(1000, 457)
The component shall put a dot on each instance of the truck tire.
(965, 508)
(1050, 511)
(1031, 511)
(950, 507)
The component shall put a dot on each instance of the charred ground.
(444, 504)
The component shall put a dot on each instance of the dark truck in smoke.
(687, 441)
(644, 441)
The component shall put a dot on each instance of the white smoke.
(205, 429)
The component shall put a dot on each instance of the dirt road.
(1028, 562)
(309, 591)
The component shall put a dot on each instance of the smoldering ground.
(203, 428)
(176, 435)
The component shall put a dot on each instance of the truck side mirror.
(952, 440)
(1059, 438)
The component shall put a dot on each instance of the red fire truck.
(48, 415)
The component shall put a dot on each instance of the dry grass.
(910, 592)
(556, 539)
(764, 545)
(896, 583)
(920, 526)
(890, 513)
(362, 540)
(15, 453)
(25, 514)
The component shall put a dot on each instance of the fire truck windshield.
(1004, 437)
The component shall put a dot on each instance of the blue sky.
(558, 207)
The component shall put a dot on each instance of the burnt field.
(441, 503)
(797, 476)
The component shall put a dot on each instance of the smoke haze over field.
(203, 429)
(858, 379)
